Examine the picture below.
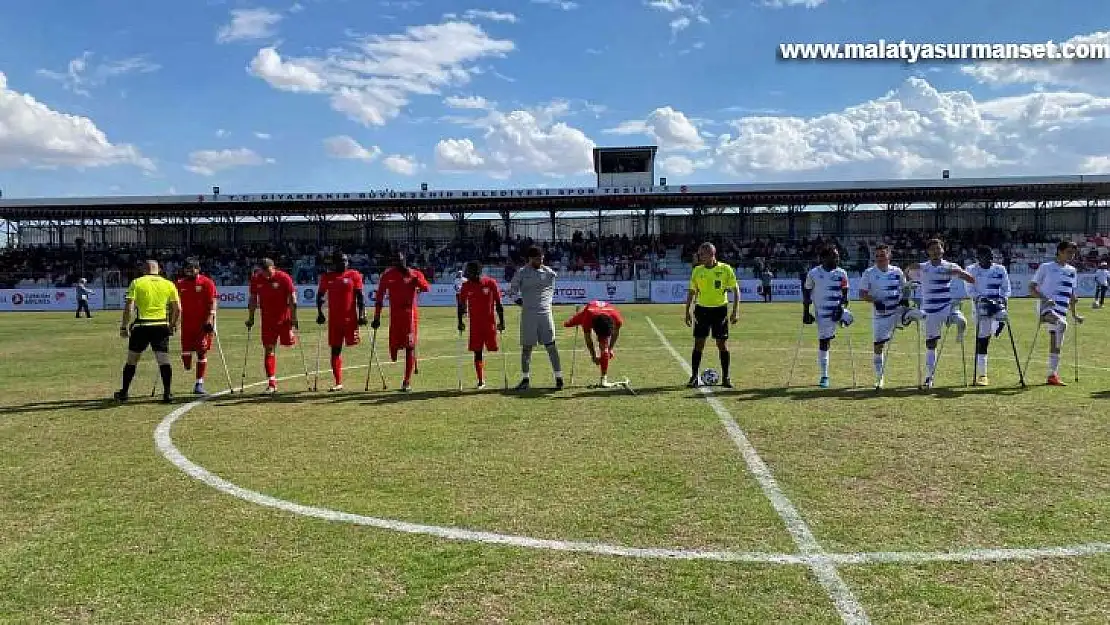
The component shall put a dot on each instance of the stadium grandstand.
(642, 230)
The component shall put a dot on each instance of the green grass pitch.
(96, 525)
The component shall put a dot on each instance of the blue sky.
(102, 97)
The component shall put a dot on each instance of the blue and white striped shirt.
(1056, 282)
(992, 282)
(884, 287)
(826, 290)
(936, 286)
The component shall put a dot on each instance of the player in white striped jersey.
(888, 290)
(826, 288)
(1055, 283)
(990, 295)
(936, 302)
(1102, 284)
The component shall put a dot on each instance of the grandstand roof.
(1016, 189)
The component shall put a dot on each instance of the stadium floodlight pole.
(1017, 359)
(794, 361)
(223, 359)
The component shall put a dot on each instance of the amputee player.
(826, 289)
(936, 276)
(342, 288)
(533, 287)
(886, 287)
(199, 301)
(604, 320)
(711, 282)
(273, 291)
(990, 294)
(402, 284)
(157, 313)
(1102, 285)
(1055, 283)
(480, 299)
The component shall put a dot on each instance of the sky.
(115, 97)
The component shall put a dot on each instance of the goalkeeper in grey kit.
(533, 287)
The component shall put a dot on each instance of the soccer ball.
(710, 377)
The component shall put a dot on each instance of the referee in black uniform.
(157, 313)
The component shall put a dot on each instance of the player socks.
(1053, 364)
(981, 363)
(480, 369)
(605, 360)
(726, 360)
(202, 368)
(930, 362)
(823, 363)
(167, 377)
(526, 361)
(337, 369)
(695, 361)
(128, 375)
(187, 360)
(410, 364)
(553, 356)
(878, 361)
(271, 367)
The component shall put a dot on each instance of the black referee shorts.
(156, 337)
(711, 321)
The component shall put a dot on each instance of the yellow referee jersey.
(712, 284)
(152, 296)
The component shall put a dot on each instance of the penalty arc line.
(824, 569)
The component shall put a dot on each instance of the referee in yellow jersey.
(157, 313)
(710, 284)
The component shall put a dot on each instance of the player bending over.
(533, 287)
(604, 320)
(710, 284)
(886, 287)
(826, 288)
(199, 300)
(480, 298)
(1055, 284)
(936, 302)
(157, 312)
(990, 295)
(403, 285)
(342, 287)
(272, 290)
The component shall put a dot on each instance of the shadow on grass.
(801, 393)
(77, 404)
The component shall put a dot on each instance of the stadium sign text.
(440, 195)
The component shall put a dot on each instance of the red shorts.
(401, 336)
(194, 338)
(343, 332)
(482, 339)
(278, 331)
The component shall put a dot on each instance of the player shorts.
(1056, 323)
(343, 333)
(402, 335)
(935, 322)
(986, 327)
(826, 328)
(194, 338)
(883, 326)
(156, 337)
(279, 331)
(536, 328)
(482, 339)
(711, 321)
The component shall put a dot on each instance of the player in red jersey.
(199, 301)
(403, 285)
(272, 290)
(342, 286)
(605, 321)
(480, 297)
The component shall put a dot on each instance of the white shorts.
(1057, 324)
(987, 326)
(536, 328)
(826, 328)
(935, 322)
(884, 327)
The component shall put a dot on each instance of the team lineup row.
(161, 307)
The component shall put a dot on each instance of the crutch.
(458, 360)
(316, 374)
(304, 362)
(920, 382)
(975, 363)
(220, 348)
(246, 352)
(574, 350)
(1017, 359)
(852, 357)
(505, 361)
(1075, 343)
(963, 354)
(373, 361)
(1036, 334)
(794, 362)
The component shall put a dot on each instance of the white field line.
(824, 569)
(164, 443)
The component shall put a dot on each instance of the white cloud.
(682, 22)
(248, 25)
(669, 128)
(1087, 74)
(80, 76)
(34, 135)
(677, 165)
(346, 147)
(221, 133)
(679, 24)
(520, 142)
(402, 165)
(564, 5)
(473, 102)
(1095, 165)
(209, 162)
(265, 136)
(375, 77)
(670, 6)
(785, 4)
(493, 16)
